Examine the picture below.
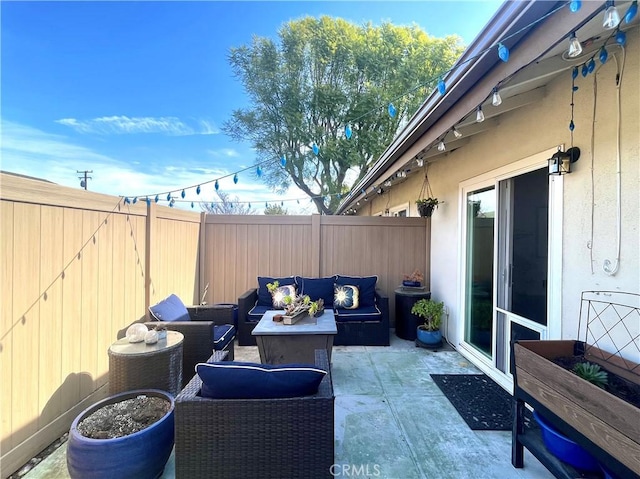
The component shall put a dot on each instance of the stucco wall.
(533, 129)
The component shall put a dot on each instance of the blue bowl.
(564, 448)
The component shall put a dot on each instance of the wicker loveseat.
(255, 438)
(366, 325)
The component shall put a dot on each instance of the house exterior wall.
(538, 127)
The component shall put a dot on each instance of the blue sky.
(138, 91)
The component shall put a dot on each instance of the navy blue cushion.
(256, 313)
(223, 335)
(236, 380)
(363, 313)
(366, 285)
(170, 309)
(346, 296)
(317, 288)
(264, 296)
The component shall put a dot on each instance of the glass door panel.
(480, 218)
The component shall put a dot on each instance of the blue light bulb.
(574, 73)
(157, 198)
(575, 5)
(216, 185)
(632, 12)
(148, 201)
(585, 70)
(168, 196)
(591, 66)
(442, 87)
(192, 204)
(347, 131)
(235, 178)
(126, 200)
(258, 172)
(571, 125)
(183, 194)
(135, 200)
(503, 52)
(603, 55)
(198, 190)
(315, 149)
(392, 110)
(283, 161)
(621, 38)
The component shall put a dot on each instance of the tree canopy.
(322, 74)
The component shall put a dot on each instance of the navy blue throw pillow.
(237, 380)
(170, 309)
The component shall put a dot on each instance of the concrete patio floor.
(392, 421)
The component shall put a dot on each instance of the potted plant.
(431, 312)
(414, 279)
(426, 206)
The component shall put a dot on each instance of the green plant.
(427, 201)
(429, 310)
(591, 372)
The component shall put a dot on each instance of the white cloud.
(29, 151)
(121, 125)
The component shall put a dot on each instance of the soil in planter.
(124, 417)
(616, 385)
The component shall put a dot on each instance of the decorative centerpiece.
(296, 307)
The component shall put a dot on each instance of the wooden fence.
(77, 267)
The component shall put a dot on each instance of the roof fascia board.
(538, 42)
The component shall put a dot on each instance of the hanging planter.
(426, 202)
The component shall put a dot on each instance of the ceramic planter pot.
(140, 455)
(431, 338)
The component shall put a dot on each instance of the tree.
(273, 209)
(323, 74)
(227, 206)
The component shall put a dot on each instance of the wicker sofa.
(255, 438)
(368, 325)
(209, 328)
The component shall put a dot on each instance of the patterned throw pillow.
(277, 297)
(346, 296)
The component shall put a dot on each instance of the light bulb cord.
(609, 267)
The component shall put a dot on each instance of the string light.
(497, 99)
(216, 185)
(632, 12)
(441, 146)
(611, 16)
(603, 55)
(621, 38)
(575, 47)
(183, 194)
(235, 179)
(503, 52)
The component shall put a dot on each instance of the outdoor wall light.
(560, 161)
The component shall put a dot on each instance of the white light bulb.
(497, 99)
(441, 146)
(611, 17)
(456, 133)
(575, 47)
(479, 115)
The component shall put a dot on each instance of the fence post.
(149, 236)
(202, 257)
(316, 254)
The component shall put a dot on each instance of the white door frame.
(554, 270)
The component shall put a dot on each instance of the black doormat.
(482, 403)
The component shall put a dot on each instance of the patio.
(392, 421)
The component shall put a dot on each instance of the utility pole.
(84, 178)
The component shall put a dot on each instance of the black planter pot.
(426, 210)
(141, 455)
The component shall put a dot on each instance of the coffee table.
(295, 343)
(146, 366)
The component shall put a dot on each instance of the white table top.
(124, 347)
(323, 324)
